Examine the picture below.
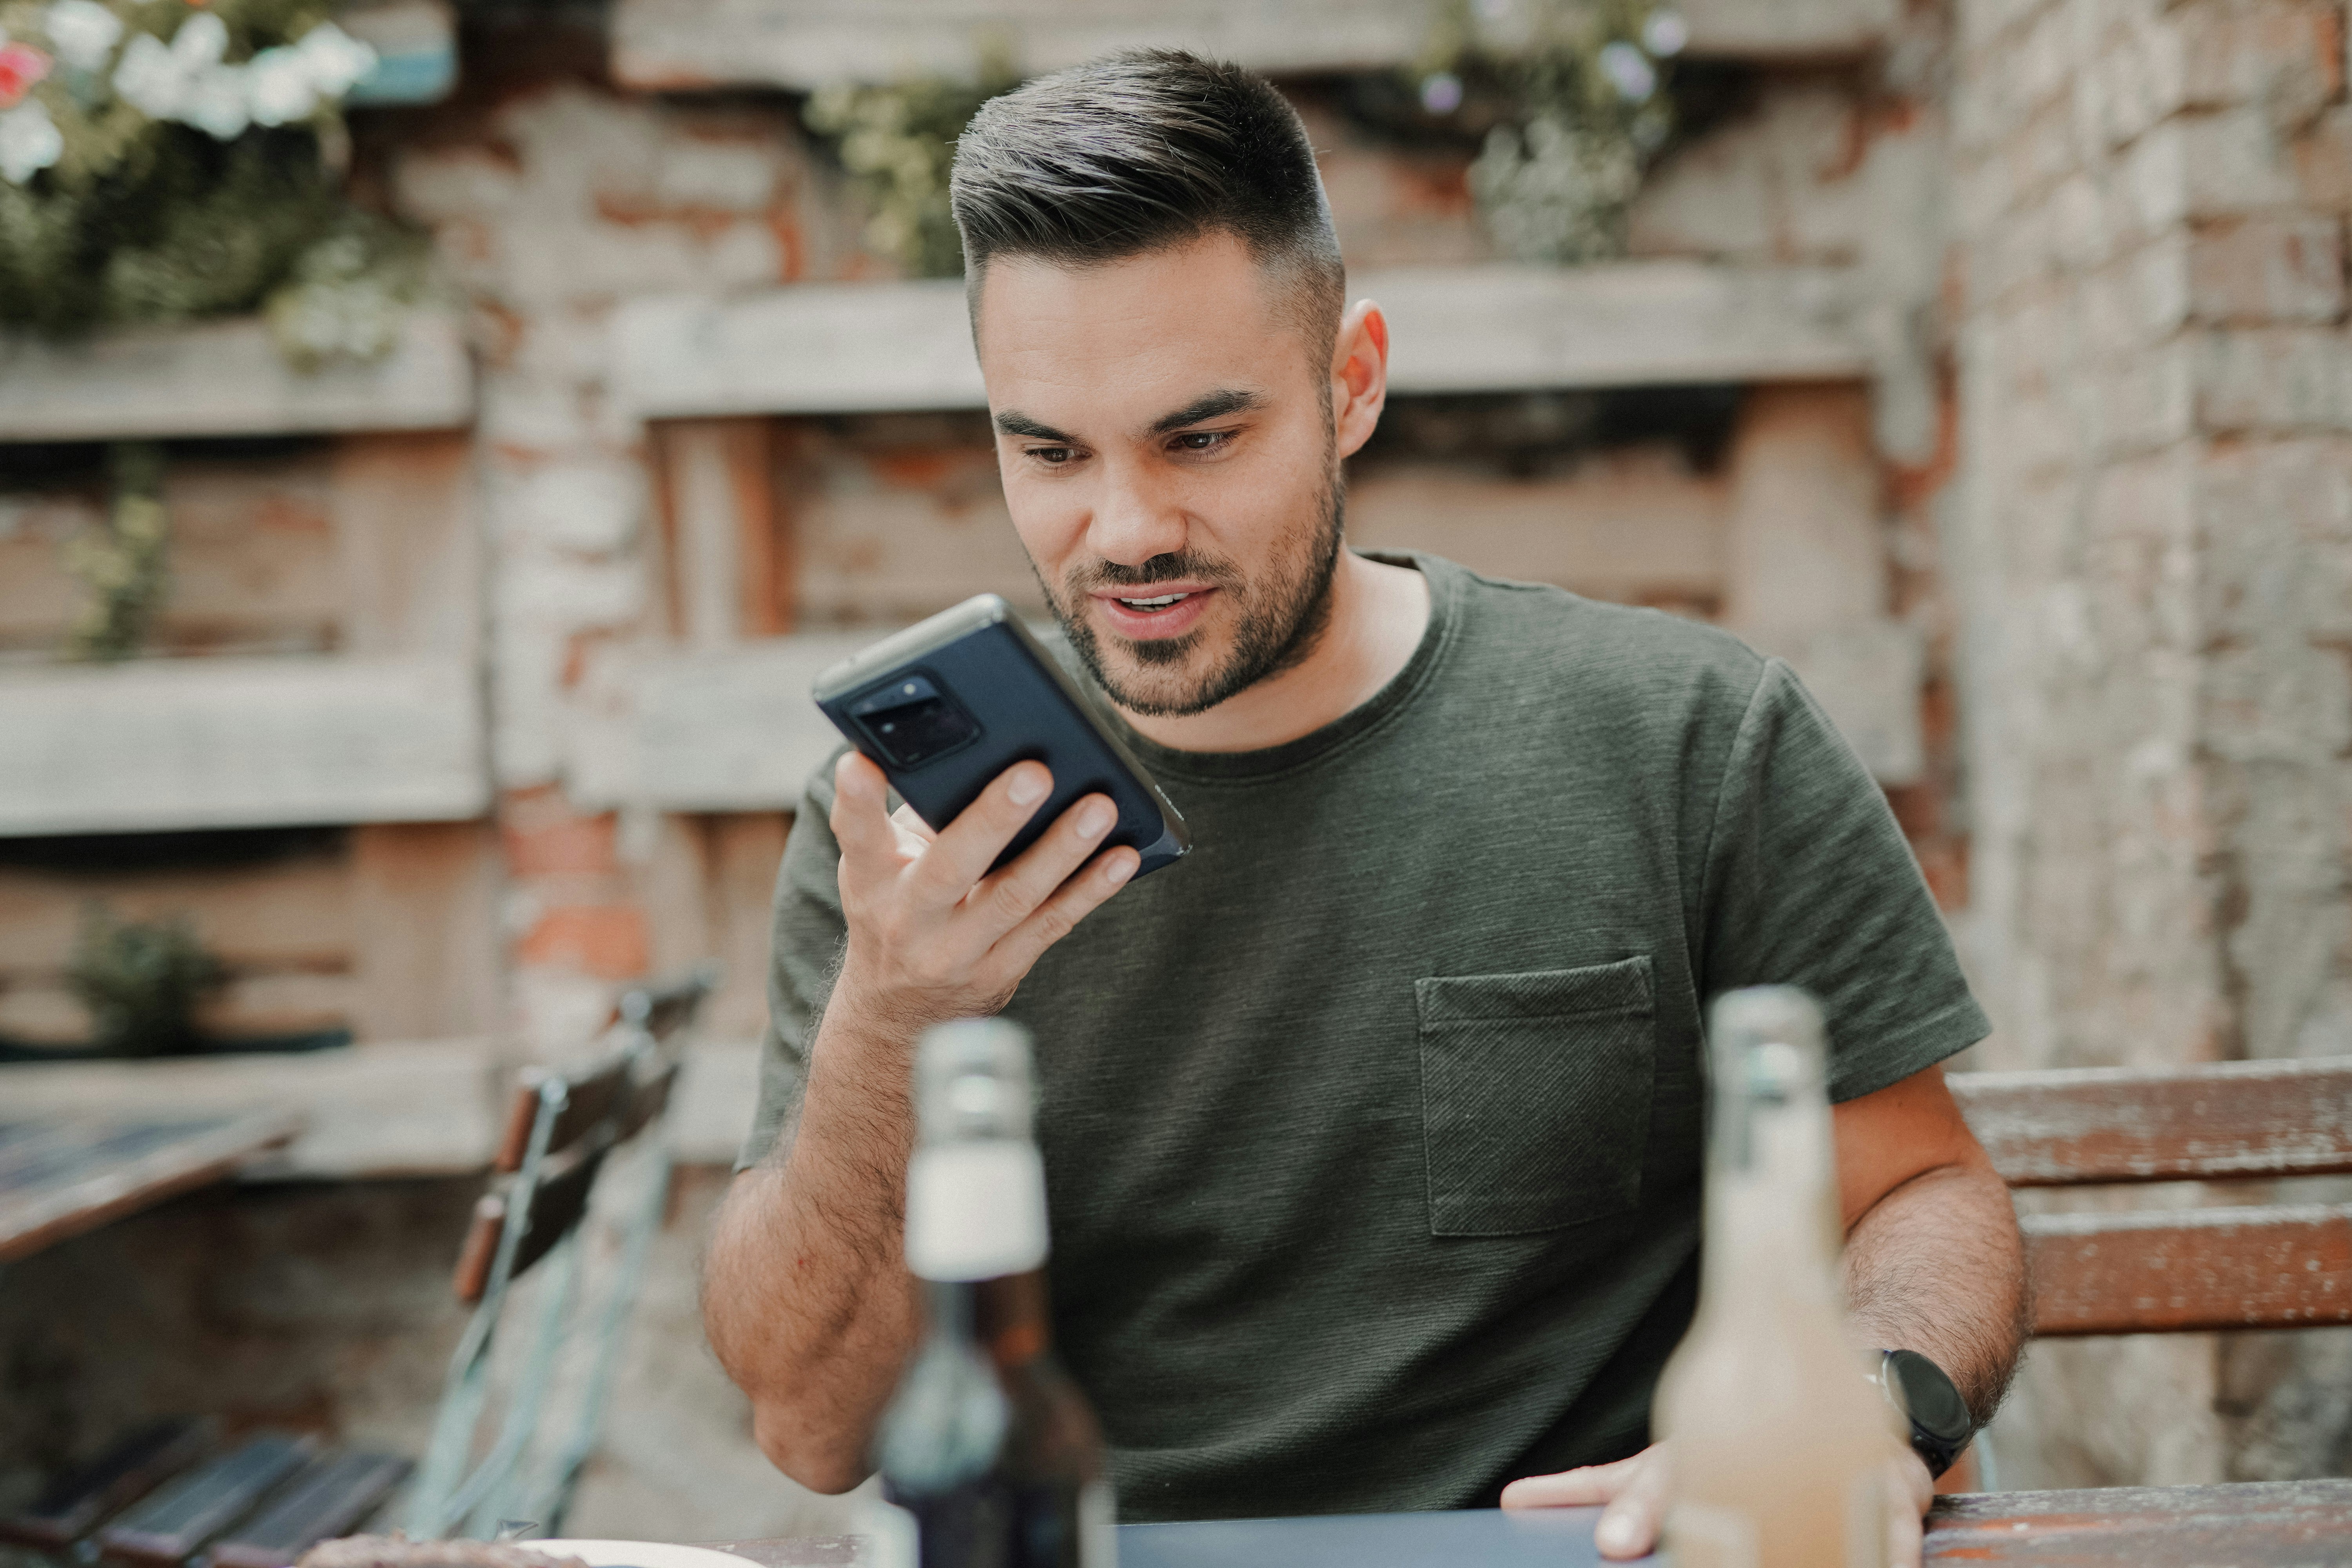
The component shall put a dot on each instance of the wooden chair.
(173, 1493)
(2175, 1271)
(563, 1127)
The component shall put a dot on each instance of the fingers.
(1572, 1489)
(963, 852)
(1054, 919)
(1007, 897)
(1629, 1526)
(860, 815)
(1910, 1493)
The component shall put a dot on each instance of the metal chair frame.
(452, 1498)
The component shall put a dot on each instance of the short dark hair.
(1141, 150)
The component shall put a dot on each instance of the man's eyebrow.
(1014, 423)
(1212, 405)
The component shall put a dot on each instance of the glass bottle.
(990, 1456)
(1781, 1441)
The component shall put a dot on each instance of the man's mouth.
(1150, 613)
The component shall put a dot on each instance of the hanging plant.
(898, 143)
(143, 983)
(162, 161)
(124, 564)
(1573, 99)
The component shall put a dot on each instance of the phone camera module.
(913, 721)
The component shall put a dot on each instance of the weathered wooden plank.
(425, 953)
(2175, 1271)
(2068, 1126)
(404, 513)
(847, 348)
(805, 44)
(227, 378)
(59, 1179)
(399, 1108)
(724, 729)
(728, 573)
(2241, 1524)
(293, 912)
(186, 744)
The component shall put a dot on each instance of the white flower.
(84, 32)
(216, 103)
(1665, 33)
(29, 142)
(163, 81)
(1630, 71)
(335, 60)
(277, 87)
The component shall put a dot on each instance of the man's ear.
(1360, 375)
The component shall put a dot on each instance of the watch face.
(1934, 1402)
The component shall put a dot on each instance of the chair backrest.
(562, 1129)
(2147, 1271)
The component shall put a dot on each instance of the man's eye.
(1204, 440)
(1054, 456)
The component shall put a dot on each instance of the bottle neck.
(1771, 1190)
(1003, 1319)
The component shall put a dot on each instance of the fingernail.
(1119, 869)
(1028, 786)
(1096, 820)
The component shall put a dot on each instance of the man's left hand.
(1636, 1492)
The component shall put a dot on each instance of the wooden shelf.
(851, 348)
(191, 743)
(227, 378)
(805, 44)
(730, 728)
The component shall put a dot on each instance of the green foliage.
(124, 564)
(1575, 98)
(143, 983)
(143, 218)
(898, 143)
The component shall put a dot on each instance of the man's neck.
(1378, 614)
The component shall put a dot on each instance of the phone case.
(948, 704)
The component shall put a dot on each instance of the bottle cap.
(975, 1187)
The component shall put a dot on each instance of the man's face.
(1165, 437)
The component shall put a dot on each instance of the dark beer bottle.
(989, 1454)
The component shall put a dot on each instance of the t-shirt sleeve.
(807, 934)
(1809, 882)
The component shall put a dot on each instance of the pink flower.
(21, 66)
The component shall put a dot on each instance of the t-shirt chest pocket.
(1535, 1096)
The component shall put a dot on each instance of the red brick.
(2268, 269)
(2286, 55)
(543, 835)
(608, 941)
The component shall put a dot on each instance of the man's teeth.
(1160, 603)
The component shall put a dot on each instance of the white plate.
(639, 1554)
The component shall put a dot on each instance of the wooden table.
(2247, 1524)
(61, 1176)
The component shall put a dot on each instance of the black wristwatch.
(1940, 1422)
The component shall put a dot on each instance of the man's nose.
(1135, 520)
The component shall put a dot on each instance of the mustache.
(1176, 566)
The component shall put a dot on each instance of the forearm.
(806, 1299)
(1936, 1266)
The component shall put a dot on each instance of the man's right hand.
(933, 933)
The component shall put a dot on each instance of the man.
(1373, 1129)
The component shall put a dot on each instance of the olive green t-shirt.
(1373, 1128)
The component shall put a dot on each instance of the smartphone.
(948, 704)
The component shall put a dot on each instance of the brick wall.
(2153, 543)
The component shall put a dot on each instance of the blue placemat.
(1489, 1538)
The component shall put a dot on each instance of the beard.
(1279, 619)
